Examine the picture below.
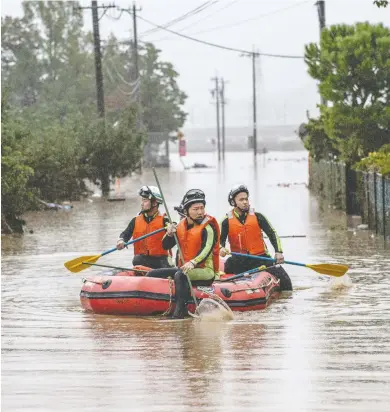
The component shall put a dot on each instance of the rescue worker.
(244, 228)
(147, 252)
(198, 236)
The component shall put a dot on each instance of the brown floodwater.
(323, 347)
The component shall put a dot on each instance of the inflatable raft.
(127, 294)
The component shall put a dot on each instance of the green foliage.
(161, 98)
(376, 161)
(52, 140)
(317, 142)
(57, 156)
(381, 3)
(16, 197)
(114, 150)
(352, 65)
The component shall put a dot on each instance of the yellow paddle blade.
(330, 269)
(76, 265)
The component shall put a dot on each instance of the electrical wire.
(209, 15)
(218, 45)
(227, 26)
(190, 13)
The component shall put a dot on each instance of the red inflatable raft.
(127, 294)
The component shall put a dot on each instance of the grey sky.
(285, 90)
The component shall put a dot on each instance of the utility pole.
(98, 56)
(254, 55)
(135, 43)
(321, 14)
(98, 61)
(321, 18)
(136, 76)
(223, 102)
(216, 93)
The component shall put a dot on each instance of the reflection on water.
(322, 347)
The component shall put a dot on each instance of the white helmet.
(151, 192)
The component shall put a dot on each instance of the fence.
(357, 193)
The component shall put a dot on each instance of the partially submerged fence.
(357, 193)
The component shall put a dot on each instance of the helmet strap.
(238, 209)
(153, 208)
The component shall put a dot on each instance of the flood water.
(324, 347)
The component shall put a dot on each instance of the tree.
(120, 90)
(352, 64)
(318, 142)
(161, 97)
(376, 161)
(16, 197)
(48, 67)
(381, 3)
(20, 67)
(47, 59)
(114, 150)
(57, 154)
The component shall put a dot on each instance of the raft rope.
(261, 286)
(84, 280)
(170, 283)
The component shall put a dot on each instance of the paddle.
(330, 269)
(175, 236)
(288, 236)
(117, 267)
(243, 274)
(81, 263)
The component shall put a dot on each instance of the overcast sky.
(285, 90)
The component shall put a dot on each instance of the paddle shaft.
(133, 241)
(330, 269)
(175, 236)
(169, 216)
(267, 258)
(115, 267)
(248, 272)
(288, 236)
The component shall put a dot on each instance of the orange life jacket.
(191, 240)
(151, 245)
(248, 237)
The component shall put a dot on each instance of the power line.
(218, 45)
(239, 23)
(190, 13)
(210, 14)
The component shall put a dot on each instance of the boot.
(181, 295)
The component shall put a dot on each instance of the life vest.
(190, 240)
(151, 245)
(248, 237)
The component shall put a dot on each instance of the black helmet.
(193, 196)
(235, 191)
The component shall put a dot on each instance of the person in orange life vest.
(198, 235)
(148, 252)
(244, 227)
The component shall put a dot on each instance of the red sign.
(182, 147)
